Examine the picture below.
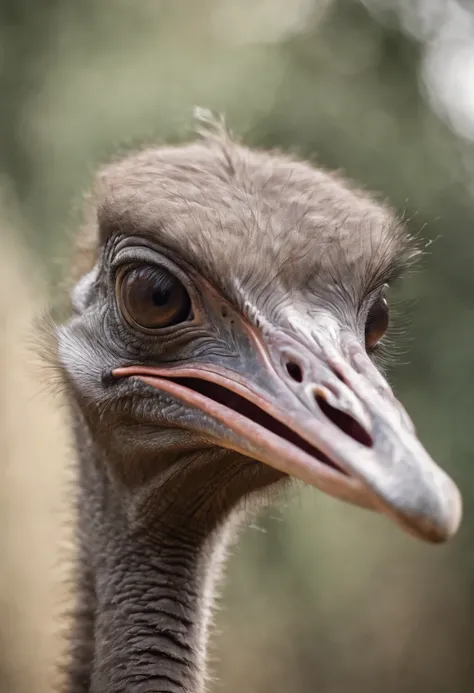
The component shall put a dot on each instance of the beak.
(313, 406)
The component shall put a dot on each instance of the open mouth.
(236, 403)
(314, 441)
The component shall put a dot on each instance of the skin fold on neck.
(143, 595)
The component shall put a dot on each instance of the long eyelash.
(396, 343)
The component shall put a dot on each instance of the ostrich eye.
(377, 323)
(153, 298)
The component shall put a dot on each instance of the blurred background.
(318, 596)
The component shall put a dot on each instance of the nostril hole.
(294, 371)
(344, 422)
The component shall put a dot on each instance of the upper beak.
(318, 410)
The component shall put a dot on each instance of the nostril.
(345, 422)
(294, 371)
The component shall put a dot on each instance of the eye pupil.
(153, 298)
(161, 298)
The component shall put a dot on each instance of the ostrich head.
(223, 340)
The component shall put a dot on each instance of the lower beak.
(329, 420)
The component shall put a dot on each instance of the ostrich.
(226, 311)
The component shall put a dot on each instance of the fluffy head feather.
(246, 219)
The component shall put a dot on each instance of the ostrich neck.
(143, 598)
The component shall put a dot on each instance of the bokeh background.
(319, 596)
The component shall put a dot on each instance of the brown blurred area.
(35, 540)
(318, 596)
